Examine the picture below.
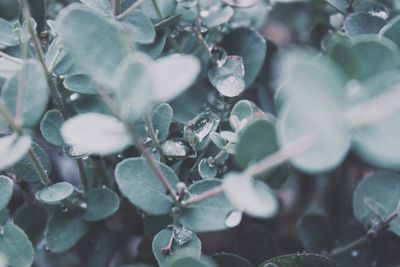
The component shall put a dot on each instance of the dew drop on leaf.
(355, 253)
(174, 33)
(177, 148)
(219, 55)
(181, 235)
(233, 219)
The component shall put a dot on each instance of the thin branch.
(157, 8)
(130, 9)
(44, 178)
(207, 194)
(10, 58)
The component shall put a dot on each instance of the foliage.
(199, 133)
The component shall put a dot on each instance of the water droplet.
(103, 186)
(205, 13)
(177, 148)
(174, 33)
(197, 130)
(120, 156)
(64, 208)
(182, 235)
(355, 253)
(222, 168)
(233, 219)
(73, 97)
(219, 55)
(1, 230)
(381, 13)
(83, 205)
(187, 3)
(203, 27)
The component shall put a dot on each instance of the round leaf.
(139, 27)
(301, 260)
(50, 127)
(391, 30)
(16, 247)
(64, 230)
(161, 240)
(206, 169)
(6, 189)
(7, 35)
(55, 193)
(12, 149)
(32, 227)
(79, 83)
(138, 182)
(210, 214)
(167, 8)
(193, 262)
(161, 119)
(101, 203)
(103, 6)
(230, 260)
(362, 23)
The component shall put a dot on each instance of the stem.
(157, 8)
(207, 194)
(10, 58)
(350, 246)
(130, 9)
(55, 59)
(44, 178)
(198, 34)
(82, 175)
(150, 128)
(20, 97)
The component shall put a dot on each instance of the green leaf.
(7, 35)
(64, 230)
(229, 78)
(391, 30)
(241, 3)
(251, 46)
(102, 6)
(230, 260)
(133, 86)
(251, 196)
(12, 149)
(162, 119)
(301, 260)
(155, 49)
(218, 17)
(9, 68)
(173, 74)
(101, 203)
(26, 170)
(161, 240)
(154, 224)
(50, 126)
(95, 133)
(341, 5)
(362, 23)
(35, 92)
(80, 83)
(139, 27)
(58, 58)
(23, 218)
(193, 262)
(243, 113)
(55, 193)
(376, 197)
(16, 247)
(6, 190)
(167, 8)
(207, 169)
(138, 182)
(110, 47)
(210, 214)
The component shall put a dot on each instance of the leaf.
(154, 224)
(9, 68)
(139, 27)
(207, 169)
(241, 3)
(315, 232)
(161, 240)
(167, 8)
(110, 48)
(251, 196)
(219, 17)
(173, 74)
(101, 203)
(155, 49)
(229, 78)
(341, 5)
(230, 260)
(301, 260)
(64, 230)
(162, 119)
(209, 214)
(6, 190)
(35, 92)
(243, 113)
(16, 247)
(96, 133)
(80, 83)
(362, 23)
(23, 219)
(391, 30)
(55, 193)
(102, 6)
(26, 170)
(133, 86)
(138, 182)
(58, 58)
(50, 126)
(7, 35)
(251, 46)
(193, 262)
(12, 149)
(376, 197)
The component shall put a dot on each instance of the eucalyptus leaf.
(138, 182)
(193, 262)
(103, 6)
(229, 78)
(243, 113)
(57, 57)
(230, 260)
(217, 18)
(241, 3)
(64, 230)
(167, 8)
(80, 83)
(162, 119)
(55, 193)
(362, 23)
(376, 197)
(101, 203)
(139, 27)
(161, 240)
(341, 5)
(23, 218)
(207, 169)
(26, 170)
(154, 49)
(251, 46)
(301, 260)
(95, 133)
(391, 29)
(210, 214)
(50, 126)
(251, 196)
(6, 190)
(12, 149)
(16, 247)
(8, 68)
(7, 35)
